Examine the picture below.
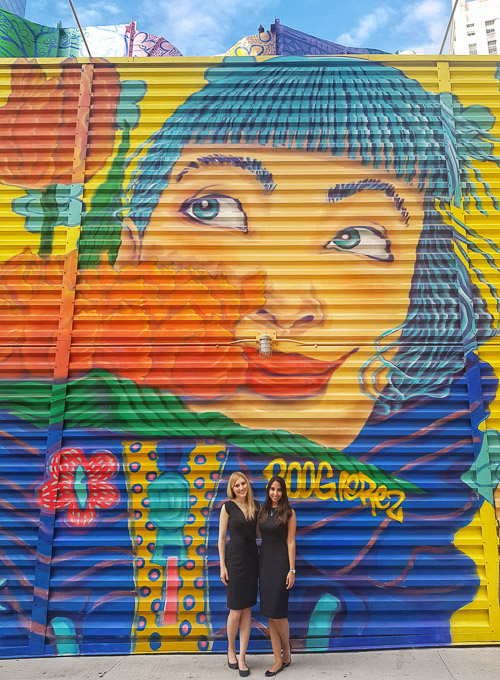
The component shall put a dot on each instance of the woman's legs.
(284, 633)
(233, 623)
(245, 626)
(276, 644)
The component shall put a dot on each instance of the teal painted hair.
(357, 107)
(377, 115)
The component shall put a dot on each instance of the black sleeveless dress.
(273, 569)
(242, 558)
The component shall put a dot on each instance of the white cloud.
(366, 27)
(423, 25)
(417, 25)
(97, 15)
(200, 27)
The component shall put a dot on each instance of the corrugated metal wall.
(159, 217)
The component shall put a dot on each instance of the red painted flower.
(79, 485)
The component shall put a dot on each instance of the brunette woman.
(239, 564)
(277, 524)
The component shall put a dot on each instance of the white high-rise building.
(476, 27)
(16, 6)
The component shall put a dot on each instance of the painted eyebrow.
(253, 165)
(341, 191)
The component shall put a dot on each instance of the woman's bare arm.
(290, 541)
(223, 521)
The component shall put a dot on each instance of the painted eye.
(362, 241)
(216, 211)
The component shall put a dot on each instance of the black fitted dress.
(242, 558)
(273, 569)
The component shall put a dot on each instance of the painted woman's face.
(334, 242)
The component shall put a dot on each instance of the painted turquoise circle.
(193, 500)
(209, 495)
(152, 455)
(155, 605)
(199, 483)
(185, 628)
(191, 519)
(141, 623)
(189, 602)
(204, 512)
(201, 550)
(145, 591)
(140, 563)
(188, 540)
(151, 476)
(352, 239)
(155, 641)
(150, 526)
(135, 467)
(151, 547)
(138, 514)
(220, 455)
(202, 531)
(202, 643)
(154, 575)
(214, 476)
(137, 488)
(198, 582)
(200, 460)
(139, 540)
(205, 208)
(145, 502)
(201, 617)
(186, 470)
(135, 447)
(190, 565)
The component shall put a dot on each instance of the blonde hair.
(249, 507)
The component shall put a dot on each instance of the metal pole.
(447, 28)
(80, 27)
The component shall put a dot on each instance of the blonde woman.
(239, 565)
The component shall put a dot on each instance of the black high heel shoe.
(232, 666)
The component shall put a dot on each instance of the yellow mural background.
(478, 621)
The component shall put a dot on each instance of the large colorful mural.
(160, 229)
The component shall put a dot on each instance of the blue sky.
(204, 27)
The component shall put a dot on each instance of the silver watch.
(292, 571)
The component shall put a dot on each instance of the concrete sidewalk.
(449, 663)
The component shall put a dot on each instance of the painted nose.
(283, 313)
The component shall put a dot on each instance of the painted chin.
(290, 375)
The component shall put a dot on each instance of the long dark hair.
(284, 511)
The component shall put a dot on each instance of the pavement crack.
(446, 665)
(101, 675)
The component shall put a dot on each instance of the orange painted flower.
(164, 327)
(30, 298)
(44, 137)
(159, 326)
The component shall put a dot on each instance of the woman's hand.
(223, 575)
(290, 580)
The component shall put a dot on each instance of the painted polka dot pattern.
(189, 629)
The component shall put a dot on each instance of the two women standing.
(240, 566)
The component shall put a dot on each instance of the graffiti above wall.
(22, 38)
(339, 205)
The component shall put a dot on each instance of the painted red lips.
(291, 375)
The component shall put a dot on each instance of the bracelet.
(292, 571)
